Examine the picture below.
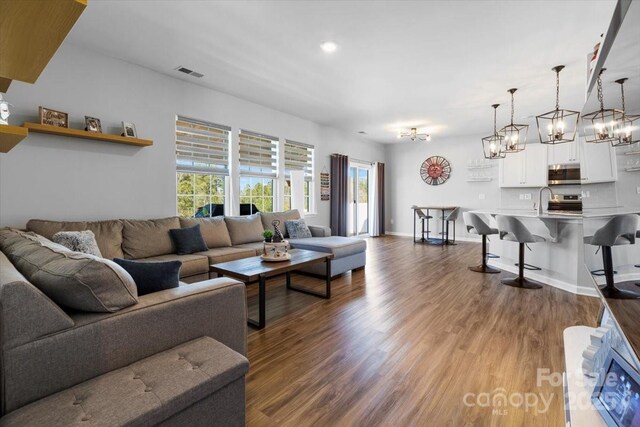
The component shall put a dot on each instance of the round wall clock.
(436, 170)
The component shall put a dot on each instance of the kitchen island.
(559, 261)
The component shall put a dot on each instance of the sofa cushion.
(71, 279)
(108, 233)
(144, 393)
(268, 217)
(192, 264)
(257, 247)
(148, 238)
(109, 237)
(78, 241)
(337, 245)
(214, 230)
(188, 240)
(152, 276)
(217, 255)
(48, 228)
(244, 229)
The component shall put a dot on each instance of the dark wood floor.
(403, 342)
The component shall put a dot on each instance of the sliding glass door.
(358, 218)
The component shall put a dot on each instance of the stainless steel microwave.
(566, 174)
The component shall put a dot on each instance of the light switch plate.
(482, 197)
(527, 196)
(521, 196)
(638, 190)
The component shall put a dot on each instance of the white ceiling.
(437, 65)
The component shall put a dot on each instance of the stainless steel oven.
(568, 174)
(565, 204)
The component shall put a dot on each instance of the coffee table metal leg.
(260, 324)
(327, 291)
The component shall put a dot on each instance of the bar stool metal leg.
(521, 281)
(609, 290)
(484, 268)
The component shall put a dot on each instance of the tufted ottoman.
(199, 382)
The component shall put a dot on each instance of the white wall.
(405, 187)
(70, 179)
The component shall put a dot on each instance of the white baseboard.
(462, 239)
(539, 276)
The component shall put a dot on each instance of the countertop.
(530, 213)
(611, 211)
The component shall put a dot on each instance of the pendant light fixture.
(628, 123)
(603, 125)
(557, 126)
(515, 136)
(493, 146)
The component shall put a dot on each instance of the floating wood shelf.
(30, 34)
(10, 136)
(77, 133)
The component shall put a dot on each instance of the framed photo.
(617, 393)
(53, 118)
(92, 124)
(129, 130)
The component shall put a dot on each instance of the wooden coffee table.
(254, 269)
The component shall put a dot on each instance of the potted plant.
(268, 235)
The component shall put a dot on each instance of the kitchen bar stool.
(476, 224)
(511, 228)
(619, 230)
(451, 217)
(423, 218)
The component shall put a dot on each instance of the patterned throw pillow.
(78, 241)
(298, 229)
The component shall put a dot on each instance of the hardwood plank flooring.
(403, 342)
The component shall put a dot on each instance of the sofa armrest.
(102, 342)
(320, 231)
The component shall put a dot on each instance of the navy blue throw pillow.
(152, 276)
(188, 240)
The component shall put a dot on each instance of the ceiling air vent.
(188, 71)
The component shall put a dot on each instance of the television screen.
(617, 395)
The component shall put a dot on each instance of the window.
(298, 156)
(258, 171)
(202, 167)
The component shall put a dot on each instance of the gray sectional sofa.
(228, 239)
(173, 357)
(176, 356)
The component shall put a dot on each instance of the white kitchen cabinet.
(562, 154)
(528, 168)
(597, 163)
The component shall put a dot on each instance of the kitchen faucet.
(540, 208)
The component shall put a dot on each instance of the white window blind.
(202, 147)
(258, 155)
(298, 156)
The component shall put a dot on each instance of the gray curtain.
(380, 199)
(339, 194)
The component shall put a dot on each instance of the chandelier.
(559, 125)
(627, 123)
(515, 135)
(413, 135)
(493, 146)
(605, 124)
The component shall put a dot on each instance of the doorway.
(358, 215)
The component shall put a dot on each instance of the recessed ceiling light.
(329, 46)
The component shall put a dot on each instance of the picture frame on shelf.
(129, 130)
(92, 124)
(52, 117)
